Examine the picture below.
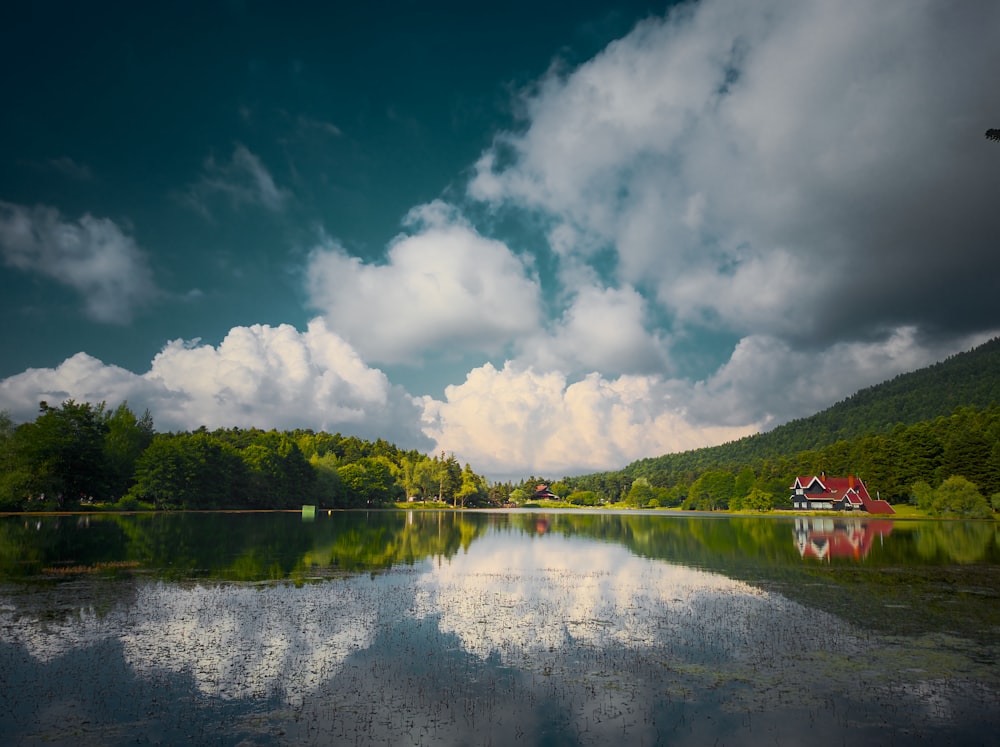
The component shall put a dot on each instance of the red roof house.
(542, 492)
(822, 493)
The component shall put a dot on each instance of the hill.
(962, 380)
(936, 406)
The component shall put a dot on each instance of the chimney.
(850, 481)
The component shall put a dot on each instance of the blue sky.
(549, 238)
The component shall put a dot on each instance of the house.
(822, 493)
(543, 493)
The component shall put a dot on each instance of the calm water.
(508, 628)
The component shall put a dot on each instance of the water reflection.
(503, 629)
(826, 538)
(515, 599)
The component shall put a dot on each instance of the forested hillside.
(963, 380)
(924, 426)
(905, 438)
(78, 455)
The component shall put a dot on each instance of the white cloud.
(273, 375)
(517, 421)
(444, 289)
(601, 329)
(512, 422)
(801, 177)
(507, 423)
(769, 382)
(243, 180)
(789, 170)
(259, 376)
(93, 256)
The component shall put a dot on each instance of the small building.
(822, 493)
(543, 493)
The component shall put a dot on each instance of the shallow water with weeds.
(497, 628)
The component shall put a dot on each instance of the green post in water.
(308, 513)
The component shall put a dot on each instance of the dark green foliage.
(127, 437)
(80, 453)
(368, 482)
(190, 470)
(956, 496)
(923, 426)
(65, 448)
(584, 498)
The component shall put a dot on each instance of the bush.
(956, 496)
(126, 503)
(584, 498)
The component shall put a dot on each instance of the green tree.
(127, 437)
(584, 498)
(190, 470)
(520, 496)
(758, 500)
(956, 496)
(15, 472)
(65, 451)
(328, 486)
(472, 489)
(711, 491)
(922, 495)
(449, 477)
(744, 483)
(640, 494)
(368, 482)
(425, 478)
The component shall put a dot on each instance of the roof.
(833, 486)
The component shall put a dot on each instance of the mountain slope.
(966, 379)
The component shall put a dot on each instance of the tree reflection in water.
(478, 629)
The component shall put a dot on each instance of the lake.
(497, 628)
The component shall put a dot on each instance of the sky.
(548, 238)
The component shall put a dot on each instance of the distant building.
(822, 493)
(542, 492)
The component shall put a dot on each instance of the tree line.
(909, 464)
(79, 454)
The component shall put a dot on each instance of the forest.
(920, 428)
(931, 437)
(79, 455)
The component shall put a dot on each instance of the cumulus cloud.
(768, 381)
(515, 421)
(511, 421)
(93, 256)
(507, 422)
(601, 329)
(243, 180)
(807, 179)
(803, 171)
(443, 288)
(259, 376)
